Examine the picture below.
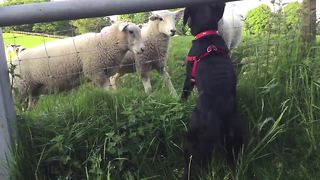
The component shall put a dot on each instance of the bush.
(138, 18)
(56, 28)
(90, 24)
(258, 20)
(99, 135)
(292, 13)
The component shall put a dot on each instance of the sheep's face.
(166, 21)
(133, 34)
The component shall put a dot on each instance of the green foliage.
(181, 29)
(97, 135)
(262, 21)
(292, 13)
(25, 27)
(258, 20)
(16, 2)
(90, 24)
(92, 134)
(138, 18)
(56, 28)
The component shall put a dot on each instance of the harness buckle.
(212, 47)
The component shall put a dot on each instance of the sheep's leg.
(146, 83)
(168, 82)
(107, 85)
(32, 94)
(144, 75)
(101, 80)
(114, 79)
(31, 102)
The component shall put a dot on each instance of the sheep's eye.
(161, 19)
(131, 32)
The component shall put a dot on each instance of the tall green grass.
(92, 134)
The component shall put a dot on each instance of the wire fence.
(249, 45)
(51, 59)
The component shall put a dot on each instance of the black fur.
(215, 120)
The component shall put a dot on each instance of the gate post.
(7, 115)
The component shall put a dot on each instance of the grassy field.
(27, 41)
(92, 134)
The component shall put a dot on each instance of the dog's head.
(203, 17)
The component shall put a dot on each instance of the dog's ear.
(186, 16)
(219, 9)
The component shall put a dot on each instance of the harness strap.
(196, 60)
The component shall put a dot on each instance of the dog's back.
(214, 121)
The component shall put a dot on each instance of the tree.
(258, 20)
(318, 27)
(138, 18)
(56, 28)
(90, 24)
(309, 20)
(292, 13)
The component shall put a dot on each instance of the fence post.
(7, 114)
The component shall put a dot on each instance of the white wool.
(60, 64)
(156, 34)
(230, 27)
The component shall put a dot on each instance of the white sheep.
(60, 64)
(230, 28)
(156, 35)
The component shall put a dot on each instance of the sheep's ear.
(186, 16)
(153, 17)
(179, 14)
(122, 26)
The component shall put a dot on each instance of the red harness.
(211, 48)
(205, 33)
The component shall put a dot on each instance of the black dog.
(214, 121)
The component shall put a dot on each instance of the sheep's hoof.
(108, 88)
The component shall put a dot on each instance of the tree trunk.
(309, 21)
